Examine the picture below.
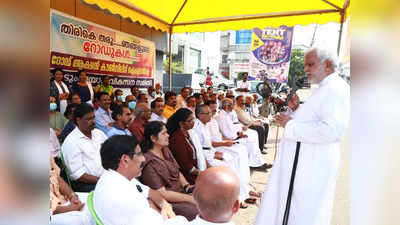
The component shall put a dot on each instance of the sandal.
(243, 205)
(251, 201)
(255, 194)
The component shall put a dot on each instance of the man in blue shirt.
(103, 117)
(122, 116)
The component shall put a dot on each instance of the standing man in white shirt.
(81, 150)
(243, 86)
(157, 109)
(122, 116)
(217, 196)
(118, 197)
(103, 117)
(316, 128)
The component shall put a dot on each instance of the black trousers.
(262, 132)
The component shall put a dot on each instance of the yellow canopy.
(180, 16)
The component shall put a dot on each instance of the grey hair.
(140, 108)
(199, 109)
(323, 55)
(226, 101)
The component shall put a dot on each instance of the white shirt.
(102, 119)
(214, 131)
(54, 143)
(199, 221)
(155, 117)
(116, 200)
(82, 154)
(244, 117)
(180, 102)
(201, 160)
(204, 137)
(241, 84)
(228, 125)
(149, 100)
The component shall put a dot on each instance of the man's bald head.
(217, 194)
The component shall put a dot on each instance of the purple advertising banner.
(270, 53)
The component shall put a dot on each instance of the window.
(224, 58)
(194, 59)
(243, 37)
(180, 56)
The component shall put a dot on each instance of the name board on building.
(78, 44)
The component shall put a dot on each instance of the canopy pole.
(170, 59)
(340, 32)
(170, 44)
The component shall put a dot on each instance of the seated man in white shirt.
(231, 128)
(157, 109)
(119, 198)
(81, 150)
(233, 157)
(158, 89)
(181, 99)
(122, 116)
(151, 93)
(103, 114)
(217, 196)
(191, 103)
(254, 124)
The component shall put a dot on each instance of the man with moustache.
(121, 199)
(318, 126)
(157, 109)
(81, 150)
(122, 116)
(142, 117)
(103, 117)
(170, 104)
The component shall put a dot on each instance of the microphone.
(301, 82)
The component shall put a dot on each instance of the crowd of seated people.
(175, 138)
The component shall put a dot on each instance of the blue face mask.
(119, 98)
(53, 106)
(153, 94)
(132, 105)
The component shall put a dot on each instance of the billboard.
(78, 44)
(270, 53)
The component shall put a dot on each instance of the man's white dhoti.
(233, 157)
(229, 126)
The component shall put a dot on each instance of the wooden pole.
(340, 32)
(276, 141)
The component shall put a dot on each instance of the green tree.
(296, 68)
(176, 67)
(240, 75)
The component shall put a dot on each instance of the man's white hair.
(323, 55)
